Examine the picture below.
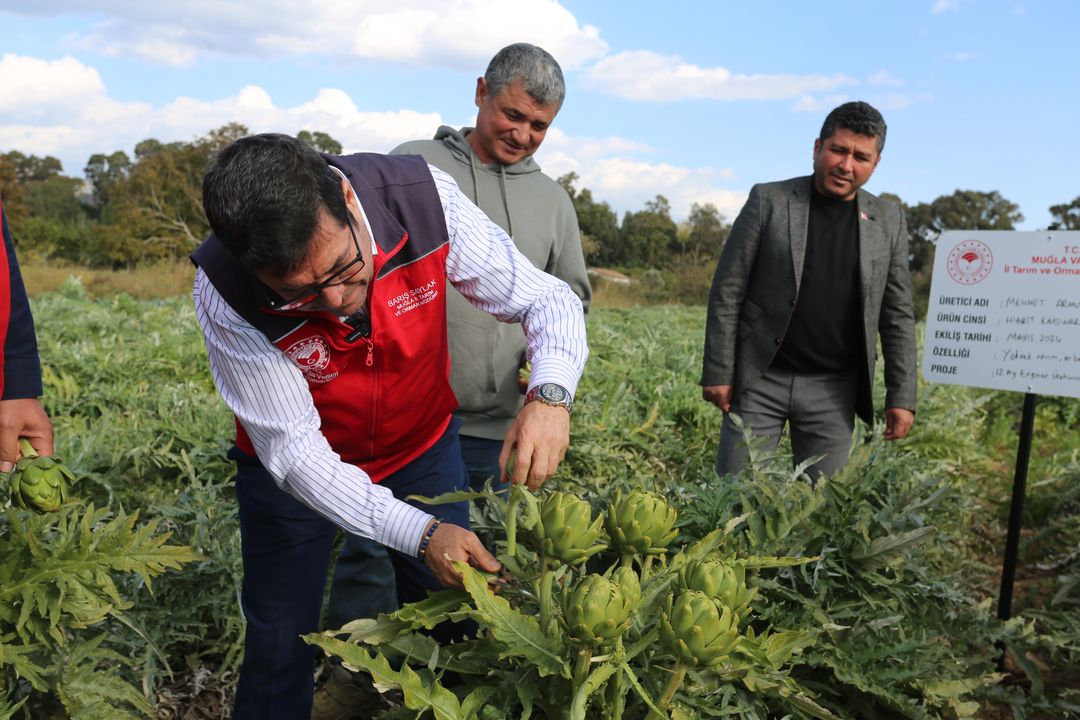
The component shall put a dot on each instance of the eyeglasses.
(342, 276)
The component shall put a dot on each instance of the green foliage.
(320, 141)
(620, 647)
(892, 618)
(58, 576)
(1066, 216)
(598, 223)
(647, 238)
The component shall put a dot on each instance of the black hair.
(263, 196)
(858, 117)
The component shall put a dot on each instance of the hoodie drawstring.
(506, 201)
(502, 189)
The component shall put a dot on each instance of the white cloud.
(32, 88)
(884, 77)
(942, 6)
(80, 118)
(461, 34)
(61, 108)
(606, 166)
(646, 75)
(810, 103)
(962, 56)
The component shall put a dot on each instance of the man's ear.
(481, 91)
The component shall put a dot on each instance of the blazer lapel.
(871, 239)
(799, 225)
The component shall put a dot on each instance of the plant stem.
(678, 674)
(511, 523)
(27, 449)
(547, 576)
(617, 687)
(581, 669)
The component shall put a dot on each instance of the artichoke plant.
(566, 530)
(697, 629)
(629, 583)
(597, 611)
(39, 483)
(641, 523)
(719, 580)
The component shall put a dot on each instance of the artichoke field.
(599, 615)
(60, 564)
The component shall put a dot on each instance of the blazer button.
(778, 340)
(793, 302)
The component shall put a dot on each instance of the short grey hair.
(537, 70)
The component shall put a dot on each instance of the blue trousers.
(286, 550)
(363, 584)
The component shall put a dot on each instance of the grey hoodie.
(537, 213)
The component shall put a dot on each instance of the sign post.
(1005, 314)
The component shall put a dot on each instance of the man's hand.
(23, 418)
(718, 395)
(453, 542)
(538, 440)
(898, 422)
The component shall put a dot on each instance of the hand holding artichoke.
(39, 483)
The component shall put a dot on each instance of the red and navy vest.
(385, 398)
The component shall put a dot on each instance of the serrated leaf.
(519, 633)
(593, 682)
(420, 689)
(889, 544)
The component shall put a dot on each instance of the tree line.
(126, 211)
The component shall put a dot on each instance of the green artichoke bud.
(595, 611)
(641, 522)
(566, 530)
(629, 583)
(720, 581)
(697, 629)
(39, 483)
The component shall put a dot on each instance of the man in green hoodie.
(517, 100)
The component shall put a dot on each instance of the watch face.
(552, 393)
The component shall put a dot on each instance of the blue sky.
(696, 101)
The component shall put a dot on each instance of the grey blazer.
(757, 281)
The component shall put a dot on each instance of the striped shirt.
(270, 397)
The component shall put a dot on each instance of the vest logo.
(413, 298)
(312, 356)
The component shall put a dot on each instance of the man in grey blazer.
(813, 271)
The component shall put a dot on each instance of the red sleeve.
(5, 290)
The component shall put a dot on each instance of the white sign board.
(1005, 311)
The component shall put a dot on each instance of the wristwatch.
(551, 394)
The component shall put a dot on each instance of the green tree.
(31, 167)
(320, 141)
(598, 223)
(648, 237)
(155, 208)
(11, 191)
(104, 173)
(706, 232)
(1067, 216)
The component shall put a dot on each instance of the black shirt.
(825, 332)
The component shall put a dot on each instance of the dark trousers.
(818, 408)
(286, 549)
(363, 583)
